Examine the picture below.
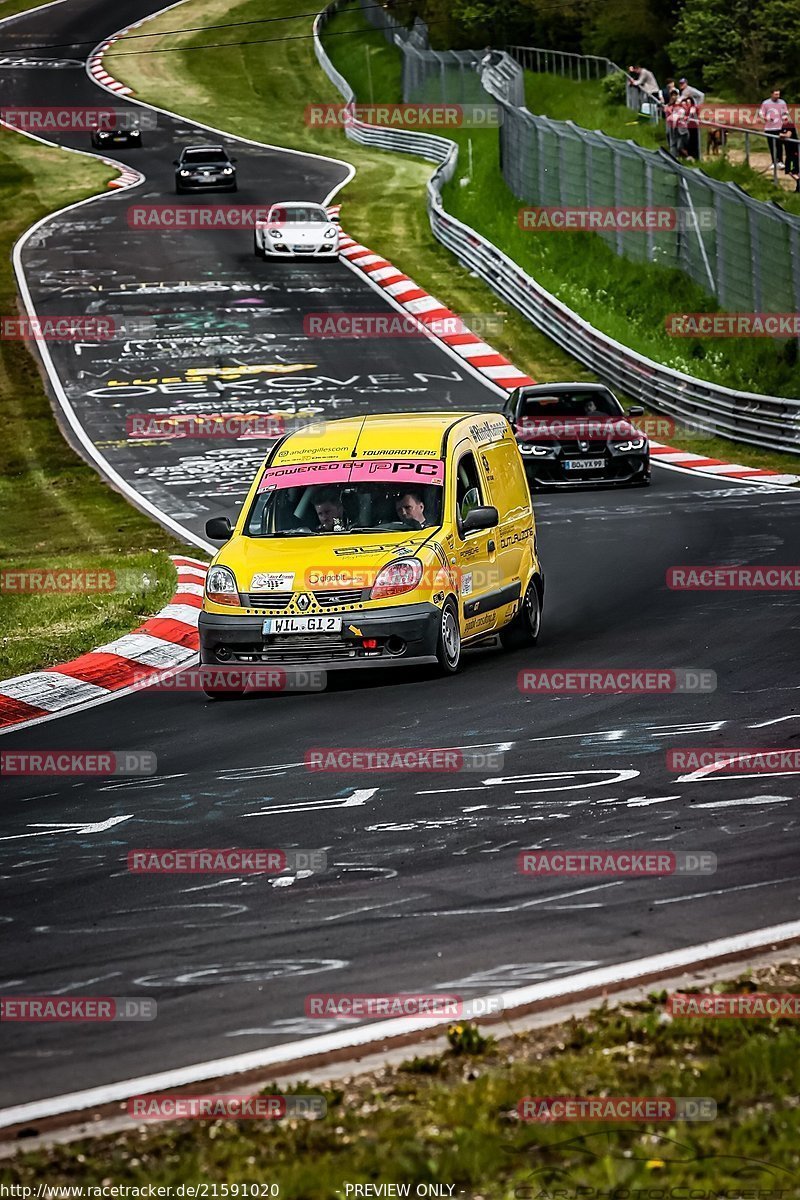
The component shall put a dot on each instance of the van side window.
(468, 487)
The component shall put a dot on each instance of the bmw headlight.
(330, 233)
(221, 586)
(632, 444)
(276, 233)
(539, 451)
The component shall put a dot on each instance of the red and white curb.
(688, 461)
(428, 310)
(127, 176)
(97, 71)
(164, 642)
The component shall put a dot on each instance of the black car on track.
(115, 136)
(577, 434)
(205, 168)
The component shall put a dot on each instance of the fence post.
(617, 195)
(648, 184)
(722, 278)
(755, 257)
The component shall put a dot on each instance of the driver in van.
(410, 506)
(330, 511)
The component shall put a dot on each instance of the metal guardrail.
(772, 422)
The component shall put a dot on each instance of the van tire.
(526, 625)
(448, 644)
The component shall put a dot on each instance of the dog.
(715, 140)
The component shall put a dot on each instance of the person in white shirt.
(645, 80)
(772, 112)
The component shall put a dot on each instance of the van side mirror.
(636, 411)
(219, 529)
(483, 517)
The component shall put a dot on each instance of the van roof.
(379, 435)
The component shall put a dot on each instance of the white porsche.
(297, 229)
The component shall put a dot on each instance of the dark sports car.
(205, 168)
(103, 139)
(577, 434)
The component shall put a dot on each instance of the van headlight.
(184, 172)
(227, 170)
(221, 586)
(396, 578)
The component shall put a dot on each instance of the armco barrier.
(772, 422)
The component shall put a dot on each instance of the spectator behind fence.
(772, 112)
(790, 144)
(693, 124)
(645, 80)
(683, 132)
(673, 113)
(666, 92)
(694, 94)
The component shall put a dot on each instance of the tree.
(740, 46)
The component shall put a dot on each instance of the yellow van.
(377, 541)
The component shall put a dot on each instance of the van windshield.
(350, 498)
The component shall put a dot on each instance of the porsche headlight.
(275, 233)
(330, 233)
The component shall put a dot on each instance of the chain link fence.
(744, 252)
(772, 422)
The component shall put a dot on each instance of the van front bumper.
(406, 635)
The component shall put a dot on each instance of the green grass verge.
(58, 512)
(261, 91)
(452, 1119)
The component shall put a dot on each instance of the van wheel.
(448, 645)
(524, 629)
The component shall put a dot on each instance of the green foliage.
(614, 87)
(741, 46)
(744, 46)
(466, 1038)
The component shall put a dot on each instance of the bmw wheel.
(448, 645)
(525, 627)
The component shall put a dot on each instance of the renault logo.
(303, 601)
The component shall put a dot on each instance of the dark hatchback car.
(102, 139)
(205, 168)
(577, 434)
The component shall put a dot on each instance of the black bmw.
(577, 434)
(205, 168)
(118, 135)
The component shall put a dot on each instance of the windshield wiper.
(292, 533)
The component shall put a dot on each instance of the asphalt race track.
(421, 891)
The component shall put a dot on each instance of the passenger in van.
(330, 510)
(410, 506)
